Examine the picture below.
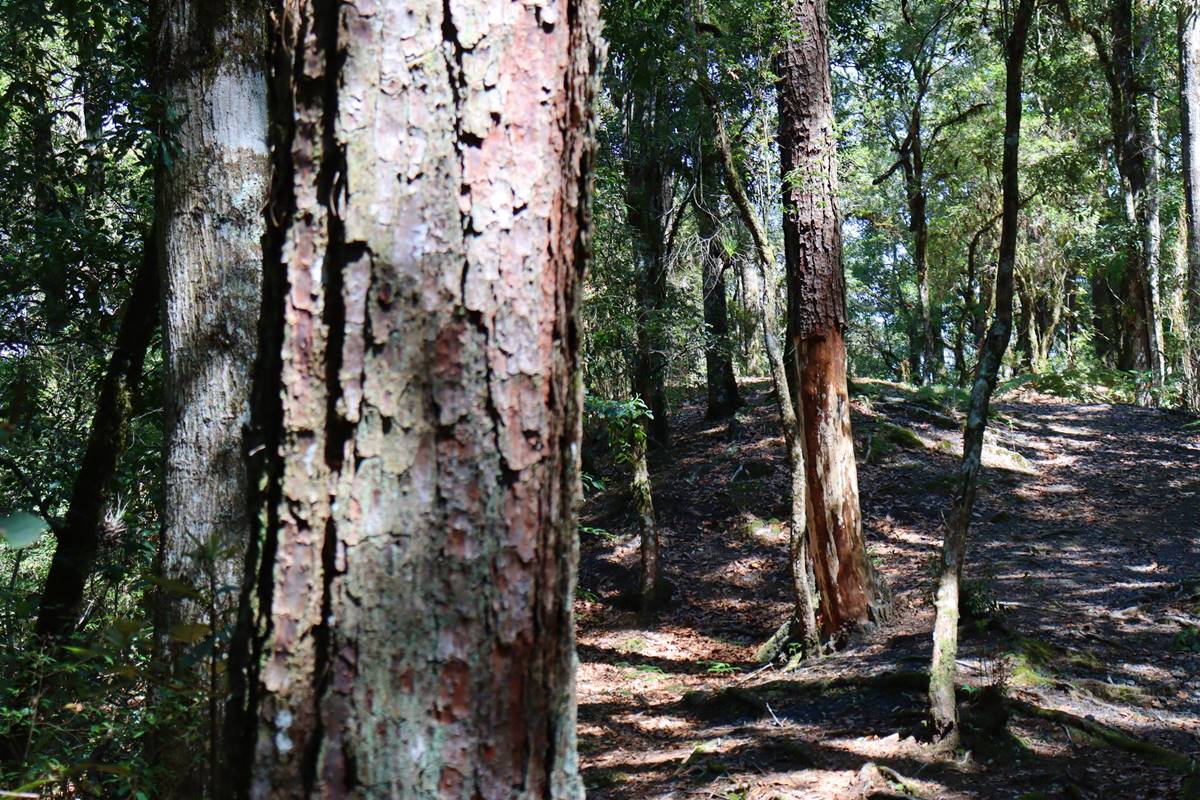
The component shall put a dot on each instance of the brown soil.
(1083, 566)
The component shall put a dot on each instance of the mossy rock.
(1120, 694)
(899, 436)
(886, 438)
(605, 778)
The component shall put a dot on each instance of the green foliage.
(1086, 384)
(719, 668)
(1188, 639)
(625, 421)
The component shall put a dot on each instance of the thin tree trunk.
(851, 594)
(945, 633)
(1027, 345)
(803, 627)
(1153, 245)
(409, 624)
(643, 504)
(914, 180)
(210, 200)
(1189, 57)
(722, 386)
(79, 536)
(646, 180)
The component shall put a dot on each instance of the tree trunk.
(1027, 344)
(929, 356)
(79, 537)
(410, 624)
(1153, 246)
(646, 181)
(945, 633)
(1131, 145)
(1189, 57)
(213, 72)
(723, 397)
(851, 594)
(643, 505)
(759, 292)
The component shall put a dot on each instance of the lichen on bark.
(412, 631)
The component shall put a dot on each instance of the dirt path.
(1084, 567)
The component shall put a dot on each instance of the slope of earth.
(1083, 583)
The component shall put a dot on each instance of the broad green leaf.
(189, 633)
(22, 530)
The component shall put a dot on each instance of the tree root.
(1157, 754)
(753, 701)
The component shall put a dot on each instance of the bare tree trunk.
(943, 708)
(1153, 245)
(759, 288)
(643, 505)
(410, 623)
(851, 594)
(210, 200)
(1189, 57)
(647, 180)
(723, 397)
(79, 536)
(914, 181)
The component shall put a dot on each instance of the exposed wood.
(851, 594)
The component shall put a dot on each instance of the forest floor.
(1083, 567)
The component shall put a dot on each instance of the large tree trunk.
(945, 634)
(411, 630)
(79, 536)
(1189, 57)
(723, 397)
(851, 594)
(213, 72)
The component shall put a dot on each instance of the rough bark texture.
(851, 594)
(1189, 57)
(945, 635)
(412, 631)
(79, 536)
(212, 63)
(723, 398)
(760, 299)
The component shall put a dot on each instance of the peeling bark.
(410, 628)
(851, 594)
